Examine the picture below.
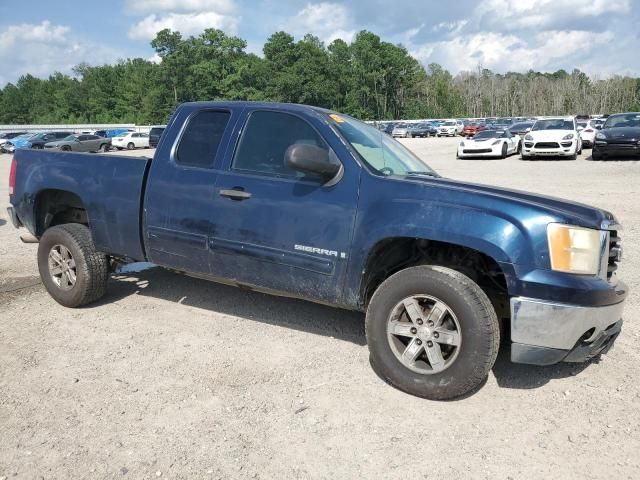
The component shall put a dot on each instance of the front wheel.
(130, 146)
(503, 154)
(432, 332)
(71, 269)
(104, 148)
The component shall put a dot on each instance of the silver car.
(81, 143)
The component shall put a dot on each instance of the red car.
(472, 128)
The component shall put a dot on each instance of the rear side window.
(201, 139)
(267, 136)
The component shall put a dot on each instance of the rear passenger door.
(273, 227)
(179, 200)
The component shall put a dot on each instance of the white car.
(588, 132)
(552, 137)
(400, 130)
(489, 144)
(131, 140)
(450, 128)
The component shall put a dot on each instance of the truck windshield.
(382, 153)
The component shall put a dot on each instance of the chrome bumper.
(544, 333)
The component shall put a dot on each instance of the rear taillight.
(12, 176)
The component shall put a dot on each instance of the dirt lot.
(179, 378)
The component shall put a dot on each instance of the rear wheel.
(432, 332)
(71, 269)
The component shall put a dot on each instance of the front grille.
(478, 150)
(615, 253)
(547, 145)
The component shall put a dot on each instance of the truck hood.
(563, 211)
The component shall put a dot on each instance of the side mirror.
(310, 159)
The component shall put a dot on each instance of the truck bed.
(109, 186)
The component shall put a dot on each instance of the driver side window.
(266, 137)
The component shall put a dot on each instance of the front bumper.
(604, 149)
(560, 151)
(544, 333)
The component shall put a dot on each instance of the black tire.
(519, 149)
(65, 148)
(479, 332)
(104, 148)
(505, 149)
(130, 146)
(91, 267)
(525, 157)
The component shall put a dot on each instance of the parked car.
(552, 137)
(10, 145)
(37, 140)
(131, 140)
(450, 128)
(154, 136)
(503, 123)
(6, 136)
(472, 128)
(81, 143)
(521, 128)
(619, 137)
(116, 132)
(422, 130)
(401, 130)
(587, 133)
(489, 144)
(308, 203)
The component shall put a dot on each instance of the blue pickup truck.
(308, 203)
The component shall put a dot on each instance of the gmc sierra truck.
(308, 203)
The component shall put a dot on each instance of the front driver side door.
(275, 228)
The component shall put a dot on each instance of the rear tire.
(440, 300)
(71, 269)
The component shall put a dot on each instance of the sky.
(600, 37)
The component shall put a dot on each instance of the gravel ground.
(174, 377)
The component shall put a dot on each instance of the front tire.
(71, 269)
(432, 332)
(130, 146)
(503, 154)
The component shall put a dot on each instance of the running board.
(28, 238)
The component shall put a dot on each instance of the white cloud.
(185, 23)
(180, 5)
(507, 52)
(40, 49)
(513, 14)
(327, 21)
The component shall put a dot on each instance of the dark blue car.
(309, 203)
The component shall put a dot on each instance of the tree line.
(367, 78)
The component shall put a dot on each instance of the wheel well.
(55, 207)
(392, 255)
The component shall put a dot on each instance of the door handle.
(235, 194)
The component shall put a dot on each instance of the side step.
(28, 238)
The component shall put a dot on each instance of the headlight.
(568, 137)
(496, 142)
(574, 249)
(528, 137)
(601, 136)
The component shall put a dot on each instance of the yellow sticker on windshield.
(337, 118)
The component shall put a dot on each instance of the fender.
(111, 196)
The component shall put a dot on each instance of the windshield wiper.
(426, 174)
